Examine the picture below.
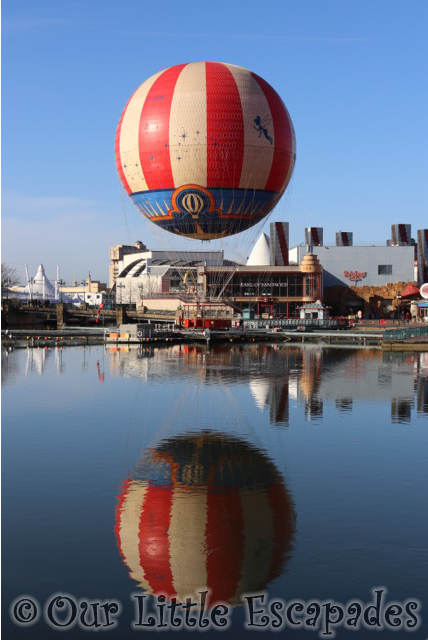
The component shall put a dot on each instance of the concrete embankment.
(78, 336)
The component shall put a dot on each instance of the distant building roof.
(314, 305)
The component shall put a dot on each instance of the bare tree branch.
(9, 276)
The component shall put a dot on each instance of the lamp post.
(83, 283)
(141, 291)
(60, 284)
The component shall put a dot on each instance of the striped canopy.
(205, 149)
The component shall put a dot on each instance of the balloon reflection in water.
(203, 511)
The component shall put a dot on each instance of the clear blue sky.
(352, 74)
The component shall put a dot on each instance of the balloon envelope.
(205, 149)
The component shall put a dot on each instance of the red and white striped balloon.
(205, 149)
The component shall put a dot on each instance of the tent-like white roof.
(260, 391)
(39, 288)
(40, 285)
(260, 255)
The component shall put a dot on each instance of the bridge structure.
(58, 316)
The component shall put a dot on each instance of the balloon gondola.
(205, 150)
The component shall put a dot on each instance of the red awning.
(410, 291)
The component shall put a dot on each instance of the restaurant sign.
(355, 276)
(424, 291)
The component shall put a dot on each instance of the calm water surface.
(298, 472)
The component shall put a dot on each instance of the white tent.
(40, 288)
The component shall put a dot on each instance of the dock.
(411, 339)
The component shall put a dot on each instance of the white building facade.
(373, 266)
(150, 273)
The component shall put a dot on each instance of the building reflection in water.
(277, 374)
(279, 402)
(344, 404)
(37, 360)
(422, 384)
(311, 372)
(205, 510)
(401, 410)
(9, 366)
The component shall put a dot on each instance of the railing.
(328, 323)
(404, 334)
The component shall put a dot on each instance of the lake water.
(298, 473)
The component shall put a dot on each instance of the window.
(384, 269)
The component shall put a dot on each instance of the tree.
(9, 276)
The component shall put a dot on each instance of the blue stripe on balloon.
(247, 207)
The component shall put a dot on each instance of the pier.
(32, 327)
(90, 336)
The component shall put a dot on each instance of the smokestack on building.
(313, 237)
(344, 239)
(279, 243)
(401, 235)
(422, 256)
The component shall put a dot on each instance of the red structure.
(207, 315)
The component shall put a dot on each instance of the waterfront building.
(422, 256)
(349, 265)
(136, 260)
(362, 278)
(314, 310)
(117, 254)
(92, 292)
(277, 280)
(150, 274)
(265, 290)
(266, 286)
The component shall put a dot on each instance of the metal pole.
(61, 283)
(28, 283)
(57, 283)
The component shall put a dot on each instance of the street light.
(84, 287)
(141, 288)
(398, 306)
(60, 284)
